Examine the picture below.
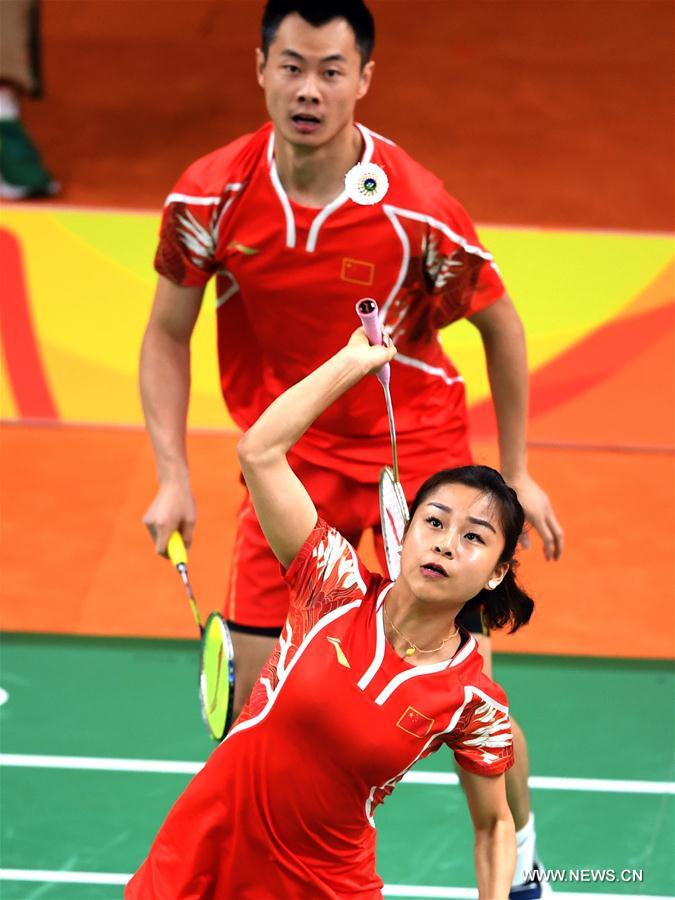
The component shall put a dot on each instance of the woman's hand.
(370, 357)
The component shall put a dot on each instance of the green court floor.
(600, 735)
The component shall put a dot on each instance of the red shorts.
(257, 595)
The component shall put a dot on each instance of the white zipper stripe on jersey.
(425, 367)
(383, 593)
(380, 641)
(281, 194)
(463, 653)
(324, 212)
(414, 671)
(402, 677)
(318, 627)
(417, 671)
(313, 235)
(285, 204)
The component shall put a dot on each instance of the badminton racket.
(216, 661)
(393, 506)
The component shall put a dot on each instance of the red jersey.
(288, 278)
(284, 807)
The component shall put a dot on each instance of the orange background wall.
(535, 113)
(546, 112)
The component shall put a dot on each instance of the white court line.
(553, 783)
(178, 767)
(101, 763)
(389, 890)
(63, 877)
(416, 890)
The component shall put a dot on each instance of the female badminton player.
(368, 677)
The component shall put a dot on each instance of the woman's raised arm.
(285, 510)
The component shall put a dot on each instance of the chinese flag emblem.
(415, 722)
(355, 271)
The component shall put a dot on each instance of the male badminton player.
(268, 218)
(368, 677)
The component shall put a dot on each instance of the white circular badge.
(366, 184)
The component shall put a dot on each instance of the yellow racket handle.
(178, 556)
(176, 549)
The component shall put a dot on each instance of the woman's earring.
(492, 585)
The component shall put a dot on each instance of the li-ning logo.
(341, 658)
(242, 248)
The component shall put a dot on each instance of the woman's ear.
(498, 575)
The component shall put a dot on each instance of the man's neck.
(316, 176)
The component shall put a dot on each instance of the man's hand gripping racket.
(216, 664)
(393, 506)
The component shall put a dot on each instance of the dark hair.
(317, 13)
(508, 603)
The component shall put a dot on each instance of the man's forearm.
(506, 356)
(506, 359)
(165, 392)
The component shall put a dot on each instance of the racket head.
(394, 518)
(216, 677)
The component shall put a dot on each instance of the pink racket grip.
(367, 311)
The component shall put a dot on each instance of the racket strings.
(214, 691)
(216, 683)
(394, 516)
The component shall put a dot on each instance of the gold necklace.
(413, 648)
